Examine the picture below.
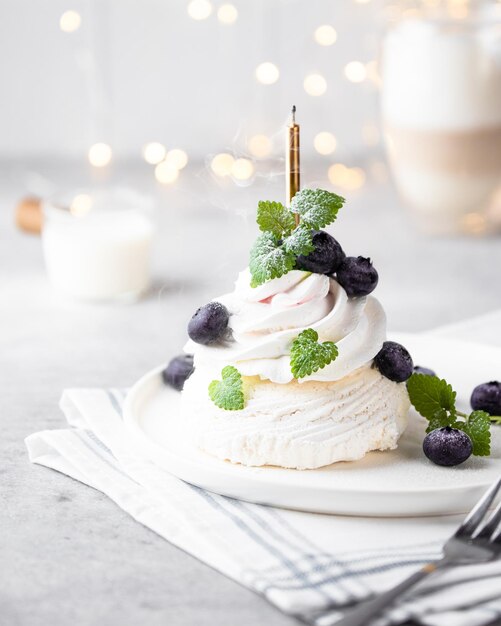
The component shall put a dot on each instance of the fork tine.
(496, 539)
(489, 528)
(478, 512)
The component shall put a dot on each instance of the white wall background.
(143, 70)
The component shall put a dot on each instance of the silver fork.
(477, 540)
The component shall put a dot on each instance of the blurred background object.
(97, 244)
(108, 80)
(104, 82)
(28, 215)
(185, 103)
(441, 105)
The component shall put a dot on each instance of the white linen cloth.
(310, 566)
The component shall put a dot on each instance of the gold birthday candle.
(292, 174)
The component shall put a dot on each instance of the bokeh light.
(355, 71)
(153, 152)
(222, 163)
(199, 9)
(324, 142)
(227, 14)
(259, 146)
(70, 21)
(81, 204)
(372, 71)
(325, 35)
(267, 73)
(371, 134)
(459, 9)
(315, 85)
(177, 157)
(349, 178)
(100, 154)
(166, 172)
(474, 224)
(379, 171)
(242, 169)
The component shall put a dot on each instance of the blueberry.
(357, 276)
(487, 397)
(423, 370)
(447, 446)
(209, 323)
(394, 362)
(177, 372)
(326, 257)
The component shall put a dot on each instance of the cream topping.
(265, 321)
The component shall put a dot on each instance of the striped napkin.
(313, 567)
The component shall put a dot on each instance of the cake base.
(298, 425)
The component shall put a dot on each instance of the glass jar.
(97, 244)
(441, 110)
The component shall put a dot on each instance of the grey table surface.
(67, 553)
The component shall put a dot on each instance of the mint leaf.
(228, 393)
(429, 394)
(308, 356)
(436, 400)
(317, 207)
(274, 218)
(275, 251)
(440, 419)
(477, 427)
(300, 241)
(268, 260)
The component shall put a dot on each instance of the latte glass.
(441, 110)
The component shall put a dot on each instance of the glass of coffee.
(441, 110)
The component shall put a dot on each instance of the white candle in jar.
(100, 254)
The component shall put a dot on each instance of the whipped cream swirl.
(265, 321)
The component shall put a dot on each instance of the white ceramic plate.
(398, 483)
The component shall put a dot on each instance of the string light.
(81, 204)
(355, 72)
(474, 223)
(242, 169)
(412, 12)
(70, 21)
(222, 163)
(315, 85)
(259, 146)
(458, 8)
(370, 134)
(356, 178)
(153, 152)
(199, 9)
(350, 178)
(177, 157)
(372, 71)
(324, 142)
(379, 171)
(267, 73)
(166, 172)
(99, 154)
(325, 35)
(227, 14)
